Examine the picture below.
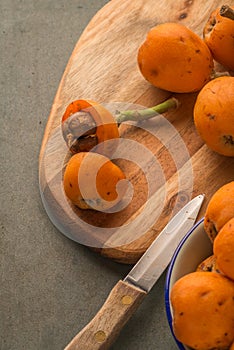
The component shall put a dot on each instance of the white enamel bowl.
(192, 250)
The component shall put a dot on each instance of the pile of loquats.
(172, 58)
(175, 59)
(203, 301)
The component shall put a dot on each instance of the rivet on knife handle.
(104, 328)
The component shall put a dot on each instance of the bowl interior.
(192, 250)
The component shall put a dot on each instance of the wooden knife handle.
(103, 329)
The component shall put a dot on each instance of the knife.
(101, 332)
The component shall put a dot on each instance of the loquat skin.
(174, 58)
(219, 210)
(218, 34)
(90, 181)
(203, 310)
(214, 115)
(224, 249)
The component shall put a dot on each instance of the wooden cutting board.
(103, 67)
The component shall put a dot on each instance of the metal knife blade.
(127, 295)
(155, 260)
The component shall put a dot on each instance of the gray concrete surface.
(50, 286)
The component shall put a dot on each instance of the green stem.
(147, 113)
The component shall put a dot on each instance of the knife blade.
(127, 294)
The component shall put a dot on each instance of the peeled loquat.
(86, 125)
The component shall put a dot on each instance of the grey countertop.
(50, 286)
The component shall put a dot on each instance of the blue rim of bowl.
(168, 278)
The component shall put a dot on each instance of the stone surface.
(50, 286)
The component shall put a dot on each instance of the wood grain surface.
(103, 67)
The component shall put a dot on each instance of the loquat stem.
(79, 130)
(147, 113)
(227, 11)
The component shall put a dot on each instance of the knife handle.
(101, 332)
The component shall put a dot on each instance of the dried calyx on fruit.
(209, 265)
(86, 124)
(227, 11)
